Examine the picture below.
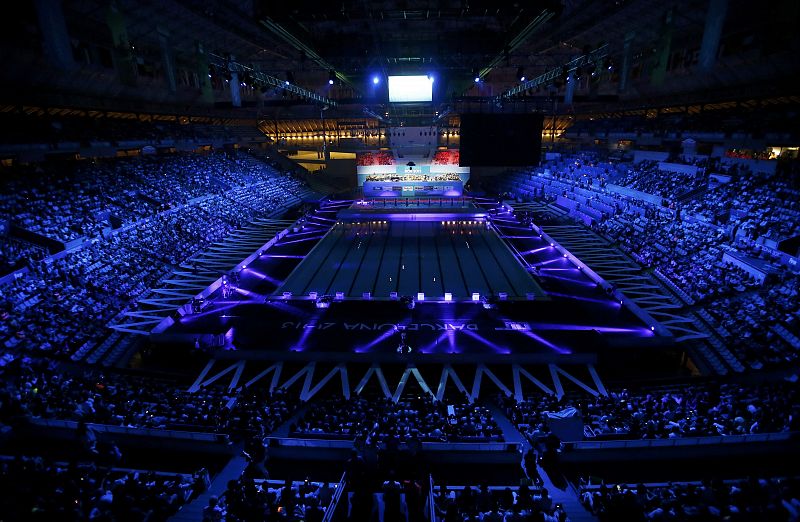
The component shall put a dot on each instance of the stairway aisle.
(193, 512)
(567, 496)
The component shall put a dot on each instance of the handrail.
(681, 441)
(335, 498)
(126, 430)
(431, 500)
(501, 447)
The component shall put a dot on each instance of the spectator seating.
(750, 499)
(34, 487)
(685, 411)
(684, 244)
(379, 420)
(212, 196)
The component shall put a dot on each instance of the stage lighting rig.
(227, 66)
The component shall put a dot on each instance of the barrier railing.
(431, 500)
(680, 442)
(125, 430)
(427, 446)
(337, 495)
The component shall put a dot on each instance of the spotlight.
(324, 302)
(376, 80)
(521, 74)
(477, 79)
(331, 77)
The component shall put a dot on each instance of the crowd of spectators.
(247, 499)
(685, 243)
(16, 254)
(41, 389)
(688, 253)
(752, 499)
(66, 201)
(381, 157)
(751, 323)
(688, 411)
(377, 421)
(35, 488)
(754, 204)
(645, 176)
(497, 505)
(109, 272)
(446, 157)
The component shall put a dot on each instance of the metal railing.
(337, 495)
(226, 64)
(126, 430)
(431, 500)
(593, 58)
(680, 442)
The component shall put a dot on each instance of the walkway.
(193, 512)
(565, 496)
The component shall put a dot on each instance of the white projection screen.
(410, 89)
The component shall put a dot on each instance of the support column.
(53, 28)
(236, 92)
(167, 60)
(122, 52)
(715, 20)
(627, 61)
(663, 47)
(569, 92)
(203, 75)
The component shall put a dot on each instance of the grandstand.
(249, 272)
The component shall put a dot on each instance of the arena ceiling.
(452, 39)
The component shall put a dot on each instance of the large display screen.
(410, 89)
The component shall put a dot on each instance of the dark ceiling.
(451, 39)
(451, 35)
